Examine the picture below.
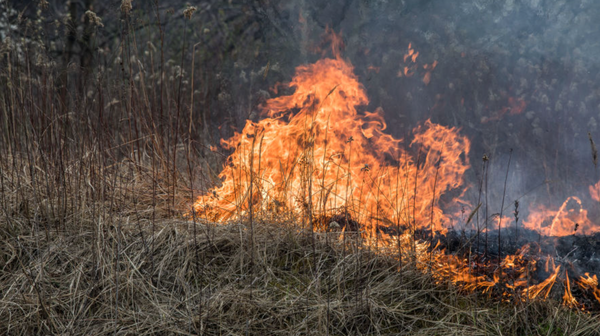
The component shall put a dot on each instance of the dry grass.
(103, 278)
(93, 183)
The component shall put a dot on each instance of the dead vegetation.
(115, 264)
(95, 179)
(117, 278)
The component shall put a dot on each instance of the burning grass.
(331, 220)
(316, 157)
(115, 264)
(218, 282)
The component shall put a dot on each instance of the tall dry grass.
(98, 164)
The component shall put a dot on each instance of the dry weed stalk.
(90, 214)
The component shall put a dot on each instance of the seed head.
(44, 4)
(189, 11)
(126, 6)
(95, 19)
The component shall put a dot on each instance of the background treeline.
(518, 75)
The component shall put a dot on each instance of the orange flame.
(570, 218)
(515, 106)
(411, 67)
(595, 191)
(568, 299)
(543, 287)
(315, 155)
(315, 150)
(590, 283)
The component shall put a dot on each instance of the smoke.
(518, 75)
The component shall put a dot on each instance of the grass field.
(99, 167)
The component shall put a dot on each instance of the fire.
(590, 283)
(316, 155)
(515, 106)
(595, 191)
(410, 65)
(568, 299)
(570, 218)
(543, 287)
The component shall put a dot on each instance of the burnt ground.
(576, 254)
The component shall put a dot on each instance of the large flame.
(315, 152)
(317, 155)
